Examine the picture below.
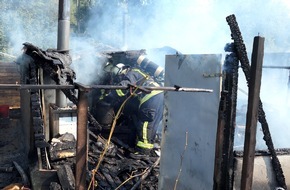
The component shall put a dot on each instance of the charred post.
(242, 54)
(223, 169)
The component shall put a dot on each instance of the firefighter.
(149, 106)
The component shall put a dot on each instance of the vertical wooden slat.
(252, 113)
(81, 152)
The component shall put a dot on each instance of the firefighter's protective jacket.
(150, 108)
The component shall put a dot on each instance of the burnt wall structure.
(243, 58)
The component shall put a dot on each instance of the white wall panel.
(192, 116)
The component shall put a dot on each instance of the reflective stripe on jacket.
(150, 95)
(144, 143)
(137, 77)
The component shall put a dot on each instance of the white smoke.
(87, 62)
(29, 21)
(188, 26)
(200, 27)
(192, 26)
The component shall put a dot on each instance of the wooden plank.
(8, 64)
(252, 113)
(12, 92)
(9, 67)
(10, 81)
(9, 70)
(14, 97)
(82, 149)
(9, 95)
(11, 103)
(12, 66)
(9, 74)
(220, 138)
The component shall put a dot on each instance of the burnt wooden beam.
(224, 157)
(242, 54)
(219, 182)
(252, 113)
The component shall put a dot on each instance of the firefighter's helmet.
(118, 69)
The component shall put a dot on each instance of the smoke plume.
(167, 26)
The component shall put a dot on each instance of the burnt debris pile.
(119, 168)
(112, 163)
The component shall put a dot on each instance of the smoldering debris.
(121, 168)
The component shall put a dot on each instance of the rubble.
(120, 168)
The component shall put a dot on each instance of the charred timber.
(56, 65)
(36, 112)
(118, 169)
(121, 171)
(145, 175)
(224, 157)
(242, 55)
